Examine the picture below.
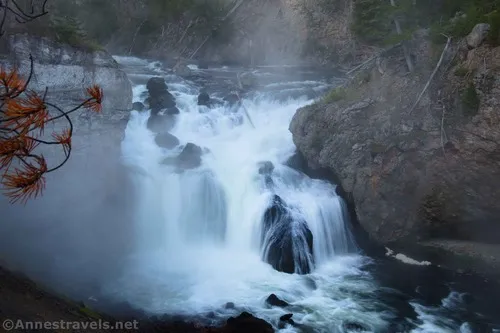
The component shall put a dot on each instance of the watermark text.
(9, 325)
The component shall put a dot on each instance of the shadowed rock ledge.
(425, 182)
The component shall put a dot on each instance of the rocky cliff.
(423, 178)
(288, 32)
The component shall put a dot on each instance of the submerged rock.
(166, 140)
(265, 168)
(161, 123)
(274, 300)
(229, 305)
(355, 327)
(232, 99)
(286, 241)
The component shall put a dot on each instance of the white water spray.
(198, 233)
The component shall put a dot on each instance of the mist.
(77, 233)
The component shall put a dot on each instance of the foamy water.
(197, 233)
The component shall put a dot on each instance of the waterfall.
(242, 225)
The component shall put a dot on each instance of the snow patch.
(405, 259)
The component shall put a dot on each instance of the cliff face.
(68, 71)
(288, 32)
(424, 179)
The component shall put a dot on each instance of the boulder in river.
(274, 300)
(189, 158)
(159, 96)
(161, 123)
(156, 86)
(159, 102)
(166, 140)
(204, 99)
(286, 240)
(247, 323)
(137, 106)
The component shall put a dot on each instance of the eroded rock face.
(286, 240)
(67, 71)
(415, 176)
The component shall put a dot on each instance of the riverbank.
(22, 301)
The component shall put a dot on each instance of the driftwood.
(432, 75)
(372, 58)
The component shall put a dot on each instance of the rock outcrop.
(68, 71)
(418, 176)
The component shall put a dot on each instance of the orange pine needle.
(11, 81)
(64, 139)
(25, 113)
(27, 182)
(95, 103)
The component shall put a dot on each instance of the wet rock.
(137, 106)
(232, 99)
(274, 300)
(163, 101)
(156, 86)
(286, 317)
(166, 140)
(190, 157)
(161, 123)
(204, 99)
(247, 323)
(181, 69)
(286, 240)
(159, 97)
(229, 305)
(172, 111)
(354, 327)
(477, 35)
(265, 168)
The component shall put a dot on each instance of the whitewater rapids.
(197, 233)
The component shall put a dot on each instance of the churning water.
(198, 233)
